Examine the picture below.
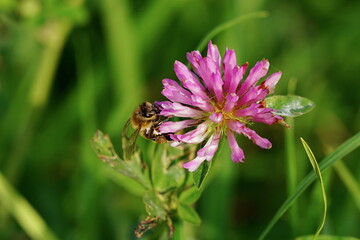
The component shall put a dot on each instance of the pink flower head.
(215, 100)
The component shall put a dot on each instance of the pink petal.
(254, 95)
(213, 53)
(258, 71)
(272, 80)
(210, 148)
(209, 70)
(194, 136)
(174, 92)
(203, 104)
(232, 73)
(229, 62)
(257, 113)
(194, 164)
(240, 128)
(235, 78)
(251, 134)
(237, 154)
(231, 101)
(171, 109)
(217, 86)
(250, 111)
(216, 117)
(194, 58)
(189, 80)
(174, 143)
(173, 127)
(207, 67)
(268, 118)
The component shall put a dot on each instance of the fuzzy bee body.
(146, 121)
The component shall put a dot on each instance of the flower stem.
(290, 153)
(291, 174)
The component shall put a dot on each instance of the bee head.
(148, 110)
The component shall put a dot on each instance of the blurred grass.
(114, 55)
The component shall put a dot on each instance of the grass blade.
(344, 149)
(226, 25)
(349, 181)
(24, 213)
(318, 173)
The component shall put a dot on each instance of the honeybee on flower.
(217, 100)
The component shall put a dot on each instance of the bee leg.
(162, 121)
(168, 138)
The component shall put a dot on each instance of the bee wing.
(129, 140)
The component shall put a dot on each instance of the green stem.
(23, 212)
(178, 230)
(291, 173)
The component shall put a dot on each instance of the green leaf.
(164, 175)
(318, 173)
(346, 148)
(290, 105)
(326, 237)
(153, 206)
(190, 195)
(201, 173)
(127, 183)
(188, 214)
(133, 168)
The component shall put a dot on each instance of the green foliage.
(106, 153)
(161, 190)
(68, 68)
(290, 106)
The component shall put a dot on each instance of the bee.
(146, 121)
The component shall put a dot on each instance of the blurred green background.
(68, 68)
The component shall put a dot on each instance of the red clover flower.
(214, 101)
